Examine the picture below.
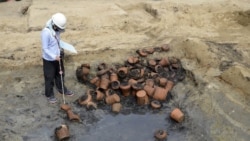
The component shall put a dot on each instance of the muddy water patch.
(128, 127)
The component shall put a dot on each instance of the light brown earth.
(212, 39)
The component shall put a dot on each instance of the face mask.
(57, 29)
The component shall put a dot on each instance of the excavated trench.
(34, 119)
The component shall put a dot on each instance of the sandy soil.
(210, 37)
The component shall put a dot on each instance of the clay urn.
(113, 77)
(164, 62)
(142, 97)
(169, 85)
(62, 132)
(161, 134)
(158, 68)
(99, 94)
(155, 104)
(115, 85)
(133, 60)
(111, 99)
(104, 84)
(177, 115)
(160, 94)
(141, 80)
(125, 88)
(150, 82)
(65, 107)
(165, 47)
(83, 100)
(149, 90)
(102, 72)
(122, 72)
(150, 50)
(95, 81)
(116, 107)
(142, 73)
(85, 69)
(142, 52)
(173, 60)
(91, 105)
(72, 116)
(102, 66)
(153, 75)
(175, 66)
(152, 63)
(132, 81)
(136, 87)
(109, 92)
(163, 82)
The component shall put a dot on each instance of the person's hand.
(58, 58)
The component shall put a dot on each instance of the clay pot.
(137, 86)
(153, 74)
(62, 132)
(150, 50)
(102, 66)
(132, 81)
(91, 105)
(122, 72)
(163, 82)
(104, 84)
(142, 52)
(95, 81)
(161, 134)
(99, 95)
(125, 88)
(175, 66)
(135, 73)
(142, 97)
(177, 115)
(158, 68)
(65, 107)
(83, 100)
(111, 99)
(141, 80)
(165, 47)
(109, 92)
(155, 104)
(164, 62)
(142, 73)
(169, 85)
(160, 94)
(151, 63)
(133, 60)
(72, 116)
(113, 77)
(150, 82)
(85, 71)
(149, 90)
(115, 85)
(173, 60)
(116, 107)
(102, 72)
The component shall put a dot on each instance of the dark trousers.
(52, 76)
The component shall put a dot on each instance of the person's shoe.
(69, 93)
(52, 100)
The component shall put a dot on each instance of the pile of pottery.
(148, 80)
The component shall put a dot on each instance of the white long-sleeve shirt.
(50, 48)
